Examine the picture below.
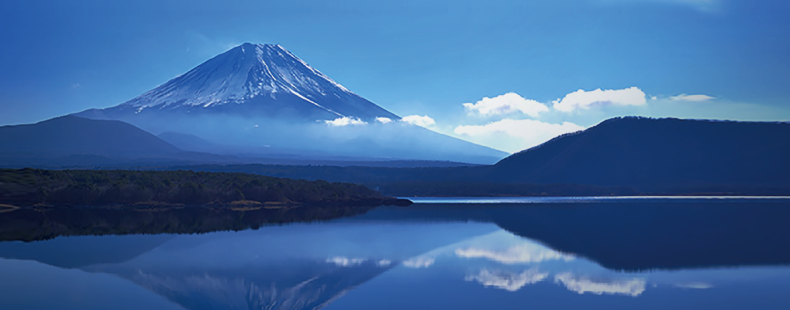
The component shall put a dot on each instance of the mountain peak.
(257, 74)
(260, 51)
(247, 46)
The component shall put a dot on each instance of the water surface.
(569, 253)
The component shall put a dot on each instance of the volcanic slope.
(259, 97)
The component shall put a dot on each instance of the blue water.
(448, 253)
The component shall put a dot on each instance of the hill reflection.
(43, 224)
(659, 235)
(635, 235)
(628, 236)
(470, 256)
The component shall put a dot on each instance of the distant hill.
(621, 156)
(71, 136)
(76, 142)
(661, 154)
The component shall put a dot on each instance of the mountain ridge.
(72, 135)
(648, 153)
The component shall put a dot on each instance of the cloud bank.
(384, 120)
(693, 98)
(345, 121)
(506, 104)
(527, 132)
(583, 100)
(517, 123)
(422, 121)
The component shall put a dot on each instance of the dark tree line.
(106, 187)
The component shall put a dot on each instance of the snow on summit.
(256, 74)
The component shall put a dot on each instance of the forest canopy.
(130, 187)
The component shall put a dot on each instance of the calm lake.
(440, 253)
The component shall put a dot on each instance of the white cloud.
(520, 254)
(345, 121)
(419, 262)
(506, 104)
(422, 121)
(584, 100)
(508, 280)
(384, 263)
(694, 98)
(633, 287)
(345, 261)
(527, 132)
(384, 120)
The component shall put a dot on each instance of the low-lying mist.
(239, 135)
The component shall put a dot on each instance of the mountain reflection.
(300, 266)
(305, 285)
(621, 236)
(571, 254)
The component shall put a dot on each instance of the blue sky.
(720, 59)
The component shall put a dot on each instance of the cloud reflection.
(509, 281)
(524, 253)
(694, 285)
(581, 285)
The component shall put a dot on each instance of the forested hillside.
(124, 187)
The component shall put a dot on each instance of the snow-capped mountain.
(262, 79)
(258, 99)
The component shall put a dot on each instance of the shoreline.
(235, 206)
